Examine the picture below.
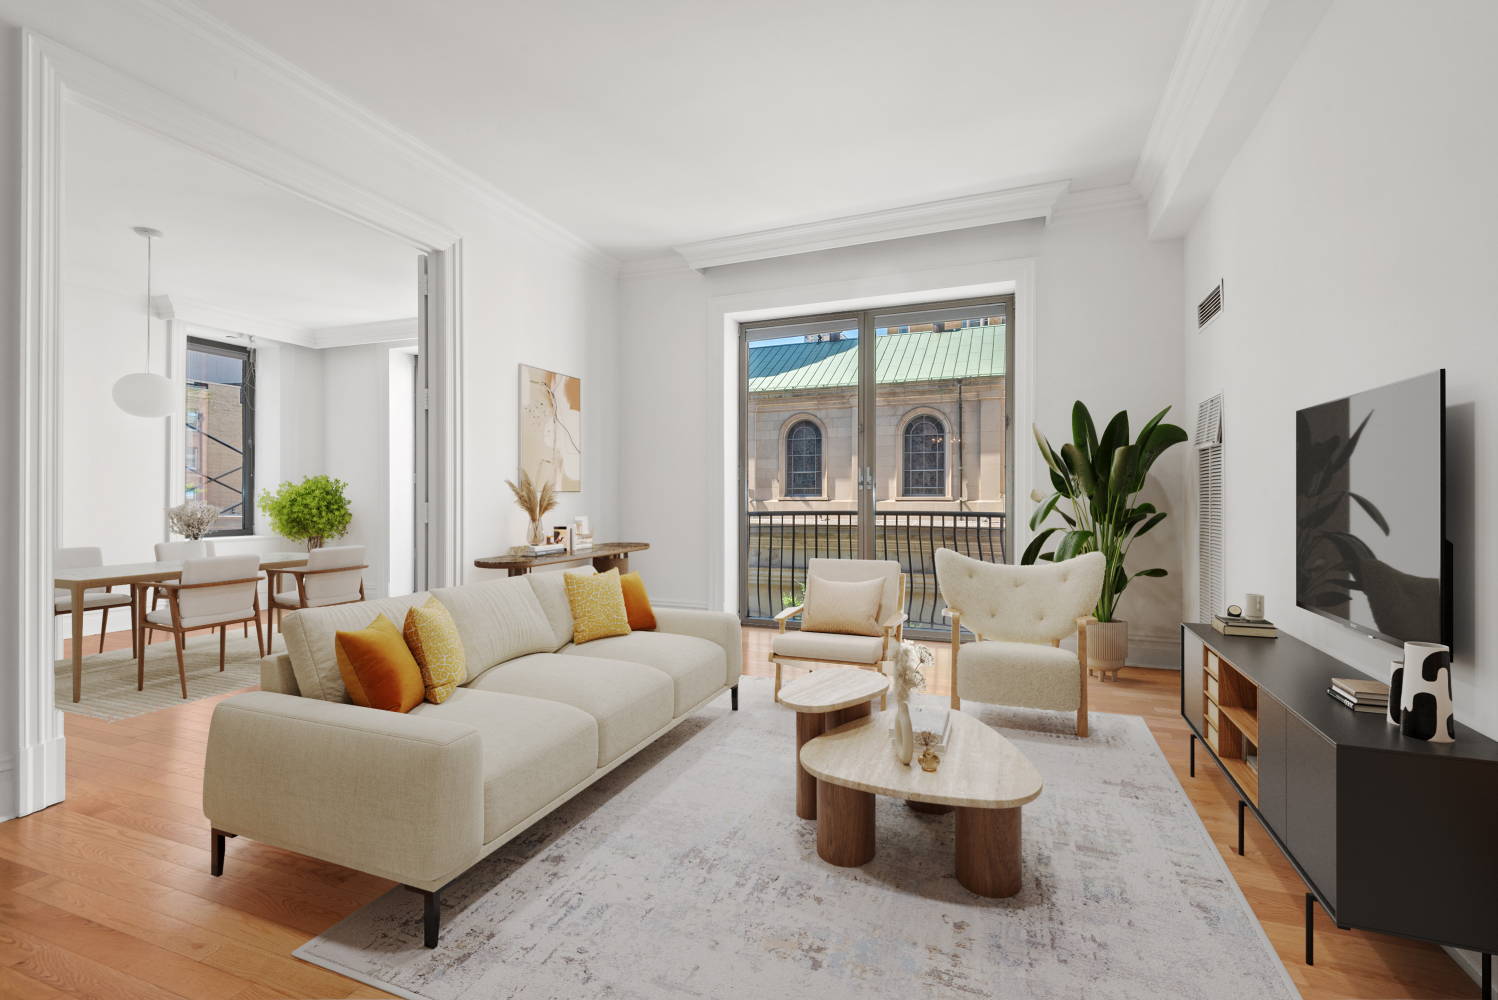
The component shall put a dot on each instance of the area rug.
(685, 873)
(109, 677)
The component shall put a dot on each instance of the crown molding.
(1035, 201)
(1234, 57)
(382, 332)
(1120, 199)
(258, 63)
(653, 267)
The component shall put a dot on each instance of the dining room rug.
(108, 689)
(686, 873)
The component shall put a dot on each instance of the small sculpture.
(906, 673)
(192, 520)
(930, 760)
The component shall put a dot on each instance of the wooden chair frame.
(104, 623)
(893, 627)
(956, 616)
(179, 631)
(301, 589)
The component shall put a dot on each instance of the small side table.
(823, 700)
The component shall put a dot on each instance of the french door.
(873, 434)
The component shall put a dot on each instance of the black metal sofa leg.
(733, 693)
(431, 914)
(217, 850)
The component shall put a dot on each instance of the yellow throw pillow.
(434, 642)
(835, 606)
(377, 668)
(637, 603)
(597, 605)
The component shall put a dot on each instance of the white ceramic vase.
(1425, 695)
(904, 735)
(1396, 691)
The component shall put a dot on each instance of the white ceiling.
(653, 123)
(233, 244)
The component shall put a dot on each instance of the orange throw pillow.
(637, 603)
(378, 668)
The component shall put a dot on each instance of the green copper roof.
(902, 357)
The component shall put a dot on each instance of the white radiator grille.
(1210, 306)
(1210, 599)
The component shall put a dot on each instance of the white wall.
(1107, 331)
(530, 292)
(1355, 231)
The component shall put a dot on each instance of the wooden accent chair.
(868, 651)
(93, 598)
(214, 592)
(332, 576)
(1015, 611)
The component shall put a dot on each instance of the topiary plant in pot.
(1100, 479)
(314, 510)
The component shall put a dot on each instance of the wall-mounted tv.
(1370, 511)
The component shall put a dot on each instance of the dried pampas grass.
(536, 503)
(908, 661)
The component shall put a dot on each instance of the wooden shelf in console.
(1244, 775)
(1246, 721)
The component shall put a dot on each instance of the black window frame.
(247, 431)
(792, 472)
(914, 431)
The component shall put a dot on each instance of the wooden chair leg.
(181, 665)
(223, 637)
(134, 622)
(140, 658)
(260, 642)
(777, 678)
(103, 628)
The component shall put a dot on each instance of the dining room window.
(219, 450)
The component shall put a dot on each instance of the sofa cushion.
(497, 620)
(534, 750)
(377, 667)
(434, 642)
(629, 701)
(1020, 674)
(828, 646)
(696, 666)
(597, 601)
(310, 632)
(551, 591)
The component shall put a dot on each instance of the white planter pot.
(1107, 647)
(1425, 695)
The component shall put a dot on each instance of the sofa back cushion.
(311, 632)
(551, 590)
(497, 621)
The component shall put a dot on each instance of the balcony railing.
(780, 545)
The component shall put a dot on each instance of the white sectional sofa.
(419, 798)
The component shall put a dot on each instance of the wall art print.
(551, 428)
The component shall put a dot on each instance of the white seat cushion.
(163, 616)
(697, 667)
(534, 750)
(290, 599)
(828, 646)
(1019, 674)
(91, 599)
(628, 701)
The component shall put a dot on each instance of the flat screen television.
(1370, 511)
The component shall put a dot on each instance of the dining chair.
(332, 575)
(94, 598)
(1020, 614)
(217, 591)
(868, 651)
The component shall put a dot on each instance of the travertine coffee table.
(825, 699)
(982, 774)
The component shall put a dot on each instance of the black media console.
(1390, 834)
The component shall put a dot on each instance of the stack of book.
(937, 721)
(1360, 695)
(543, 550)
(1236, 625)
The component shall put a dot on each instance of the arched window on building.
(803, 460)
(924, 459)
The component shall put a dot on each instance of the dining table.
(139, 577)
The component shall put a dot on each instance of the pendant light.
(144, 394)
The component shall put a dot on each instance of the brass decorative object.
(929, 759)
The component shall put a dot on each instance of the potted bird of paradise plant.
(1099, 477)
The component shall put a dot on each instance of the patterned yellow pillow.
(434, 641)
(597, 605)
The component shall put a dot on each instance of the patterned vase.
(1425, 695)
(1396, 691)
(904, 735)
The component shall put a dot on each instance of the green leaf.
(1124, 463)
(1162, 437)
(1083, 434)
(1067, 517)
(1048, 557)
(1150, 523)
(1044, 510)
(1074, 544)
(1115, 436)
(1032, 552)
(1060, 484)
(1152, 572)
(1046, 452)
(1081, 469)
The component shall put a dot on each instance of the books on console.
(924, 718)
(544, 550)
(1359, 694)
(1235, 625)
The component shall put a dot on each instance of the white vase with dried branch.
(536, 503)
(192, 520)
(906, 673)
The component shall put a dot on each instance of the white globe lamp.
(144, 394)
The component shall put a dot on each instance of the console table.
(1389, 834)
(604, 557)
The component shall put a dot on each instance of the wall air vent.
(1210, 306)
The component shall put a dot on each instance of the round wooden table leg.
(929, 807)
(808, 727)
(845, 825)
(988, 851)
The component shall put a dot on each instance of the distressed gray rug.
(686, 873)
(109, 678)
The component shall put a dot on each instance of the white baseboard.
(33, 779)
(1154, 651)
(683, 605)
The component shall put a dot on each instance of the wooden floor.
(108, 894)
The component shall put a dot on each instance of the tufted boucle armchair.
(1015, 611)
